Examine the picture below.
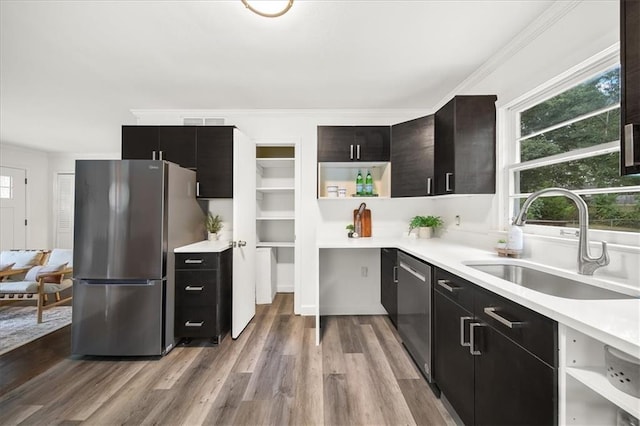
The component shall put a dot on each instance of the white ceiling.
(71, 71)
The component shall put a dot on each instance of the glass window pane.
(593, 131)
(617, 212)
(594, 172)
(599, 92)
(5, 181)
(5, 192)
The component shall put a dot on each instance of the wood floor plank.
(226, 405)
(274, 374)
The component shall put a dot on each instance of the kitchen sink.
(546, 282)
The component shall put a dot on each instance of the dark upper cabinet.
(630, 81)
(214, 161)
(171, 143)
(412, 162)
(389, 282)
(139, 142)
(178, 145)
(465, 146)
(353, 143)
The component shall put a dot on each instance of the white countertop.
(204, 247)
(614, 322)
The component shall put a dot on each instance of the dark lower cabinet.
(630, 86)
(495, 361)
(389, 282)
(203, 295)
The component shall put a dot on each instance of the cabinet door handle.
(445, 284)
(358, 151)
(462, 324)
(395, 274)
(194, 324)
(447, 182)
(472, 338)
(160, 155)
(630, 131)
(351, 152)
(241, 243)
(197, 189)
(194, 261)
(428, 186)
(153, 155)
(194, 288)
(502, 320)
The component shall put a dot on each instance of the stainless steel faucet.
(586, 264)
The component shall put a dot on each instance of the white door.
(65, 185)
(13, 210)
(244, 233)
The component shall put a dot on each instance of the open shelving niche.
(344, 175)
(276, 186)
(586, 396)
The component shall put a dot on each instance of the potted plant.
(502, 244)
(351, 229)
(425, 225)
(213, 225)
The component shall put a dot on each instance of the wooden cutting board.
(366, 222)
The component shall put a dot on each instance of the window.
(568, 137)
(6, 187)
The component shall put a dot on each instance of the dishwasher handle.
(413, 272)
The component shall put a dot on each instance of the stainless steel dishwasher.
(414, 310)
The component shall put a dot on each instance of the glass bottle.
(368, 184)
(359, 184)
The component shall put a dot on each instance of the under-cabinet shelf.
(596, 380)
(275, 189)
(343, 175)
(275, 218)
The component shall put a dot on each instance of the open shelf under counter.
(596, 380)
(343, 175)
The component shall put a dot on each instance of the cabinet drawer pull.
(194, 324)
(462, 324)
(358, 152)
(472, 338)
(194, 261)
(447, 182)
(351, 152)
(445, 284)
(502, 320)
(194, 288)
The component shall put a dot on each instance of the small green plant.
(350, 227)
(502, 241)
(425, 222)
(213, 223)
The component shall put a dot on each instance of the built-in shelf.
(349, 198)
(265, 189)
(275, 162)
(273, 244)
(275, 218)
(595, 379)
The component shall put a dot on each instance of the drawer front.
(455, 288)
(196, 288)
(197, 260)
(196, 322)
(536, 333)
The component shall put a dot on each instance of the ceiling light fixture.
(268, 14)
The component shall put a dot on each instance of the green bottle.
(359, 184)
(368, 184)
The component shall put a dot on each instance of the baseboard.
(285, 288)
(353, 310)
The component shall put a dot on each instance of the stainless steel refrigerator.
(129, 216)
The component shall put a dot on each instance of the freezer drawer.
(118, 318)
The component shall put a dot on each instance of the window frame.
(509, 115)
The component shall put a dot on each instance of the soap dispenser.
(515, 240)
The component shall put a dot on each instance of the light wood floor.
(273, 374)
